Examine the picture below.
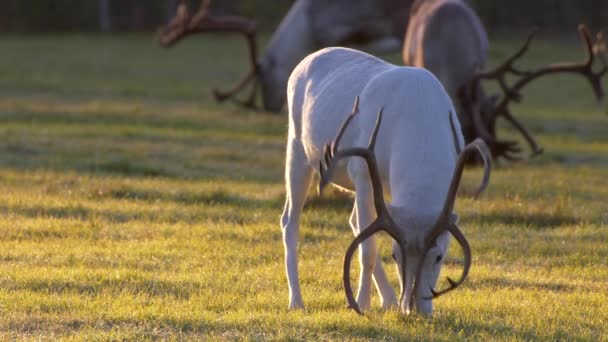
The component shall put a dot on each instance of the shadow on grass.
(179, 290)
(216, 197)
(81, 213)
(527, 220)
(503, 283)
(126, 167)
(332, 201)
(462, 328)
(303, 330)
(441, 328)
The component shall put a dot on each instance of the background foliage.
(72, 15)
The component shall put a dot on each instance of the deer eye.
(439, 257)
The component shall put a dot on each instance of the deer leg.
(367, 251)
(298, 175)
(536, 149)
(385, 290)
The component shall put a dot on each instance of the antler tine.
(466, 248)
(587, 70)
(536, 149)
(508, 64)
(354, 111)
(331, 149)
(372, 139)
(378, 225)
(599, 47)
(201, 13)
(502, 70)
(478, 145)
(443, 221)
(177, 27)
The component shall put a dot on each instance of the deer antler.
(513, 92)
(444, 222)
(383, 221)
(185, 24)
(600, 48)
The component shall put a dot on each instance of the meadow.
(134, 207)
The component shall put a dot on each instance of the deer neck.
(291, 42)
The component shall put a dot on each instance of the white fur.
(415, 153)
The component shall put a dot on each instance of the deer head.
(424, 261)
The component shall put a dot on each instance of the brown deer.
(447, 37)
(308, 26)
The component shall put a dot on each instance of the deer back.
(447, 38)
(415, 150)
(346, 21)
(312, 24)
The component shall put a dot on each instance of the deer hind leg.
(385, 290)
(298, 174)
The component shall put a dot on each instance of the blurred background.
(142, 15)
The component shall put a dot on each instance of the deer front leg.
(388, 298)
(368, 253)
(298, 175)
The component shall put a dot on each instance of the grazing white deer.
(417, 159)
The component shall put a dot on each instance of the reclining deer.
(447, 38)
(308, 26)
(415, 154)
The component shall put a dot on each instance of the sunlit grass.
(133, 207)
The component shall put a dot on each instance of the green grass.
(134, 207)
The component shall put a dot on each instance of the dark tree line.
(550, 14)
(138, 15)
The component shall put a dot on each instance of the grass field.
(134, 207)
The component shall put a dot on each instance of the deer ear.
(454, 218)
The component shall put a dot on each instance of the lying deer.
(308, 26)
(413, 151)
(447, 38)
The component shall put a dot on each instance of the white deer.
(418, 160)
